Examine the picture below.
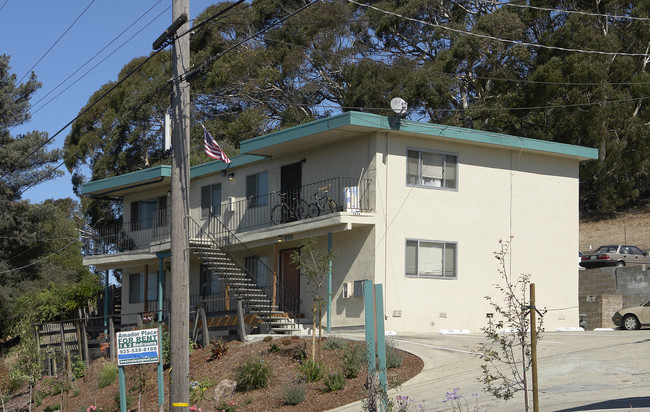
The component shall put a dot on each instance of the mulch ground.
(284, 361)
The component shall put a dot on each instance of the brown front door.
(289, 282)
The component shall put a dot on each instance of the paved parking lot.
(577, 371)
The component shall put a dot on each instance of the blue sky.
(30, 27)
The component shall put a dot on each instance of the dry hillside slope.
(632, 228)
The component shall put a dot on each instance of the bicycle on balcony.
(321, 202)
(289, 209)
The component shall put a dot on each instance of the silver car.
(614, 255)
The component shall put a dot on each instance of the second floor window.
(430, 169)
(149, 213)
(210, 200)
(257, 189)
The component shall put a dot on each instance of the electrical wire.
(97, 54)
(41, 259)
(485, 36)
(4, 4)
(56, 42)
(551, 10)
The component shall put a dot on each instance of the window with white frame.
(137, 287)
(431, 169)
(426, 258)
(210, 200)
(257, 189)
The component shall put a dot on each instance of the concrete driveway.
(577, 371)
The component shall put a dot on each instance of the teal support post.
(161, 381)
(369, 310)
(329, 285)
(122, 380)
(381, 335)
(106, 274)
(161, 299)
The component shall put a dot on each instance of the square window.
(431, 259)
(431, 169)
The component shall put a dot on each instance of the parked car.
(633, 317)
(614, 255)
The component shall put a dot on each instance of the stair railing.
(225, 240)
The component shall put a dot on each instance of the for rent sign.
(138, 346)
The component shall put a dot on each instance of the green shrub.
(273, 348)
(78, 368)
(294, 394)
(253, 373)
(267, 339)
(334, 344)
(107, 375)
(53, 408)
(353, 359)
(311, 371)
(334, 381)
(394, 356)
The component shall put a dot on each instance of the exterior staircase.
(225, 256)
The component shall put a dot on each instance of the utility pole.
(180, 210)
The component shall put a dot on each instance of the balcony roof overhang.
(349, 125)
(155, 177)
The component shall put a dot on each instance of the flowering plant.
(93, 408)
(459, 403)
(405, 404)
(227, 406)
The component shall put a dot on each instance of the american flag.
(212, 149)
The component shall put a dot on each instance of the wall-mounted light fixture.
(230, 175)
(279, 238)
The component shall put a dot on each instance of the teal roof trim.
(218, 165)
(377, 122)
(133, 178)
(109, 184)
(296, 132)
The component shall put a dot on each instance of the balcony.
(348, 194)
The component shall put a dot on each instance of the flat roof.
(327, 131)
(349, 124)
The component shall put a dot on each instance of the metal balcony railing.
(349, 195)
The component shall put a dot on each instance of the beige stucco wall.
(500, 193)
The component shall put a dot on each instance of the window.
(136, 287)
(256, 266)
(431, 259)
(149, 213)
(210, 282)
(257, 189)
(210, 200)
(431, 169)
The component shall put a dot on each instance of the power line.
(4, 4)
(56, 42)
(41, 259)
(97, 54)
(552, 10)
(485, 36)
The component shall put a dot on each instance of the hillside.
(632, 228)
